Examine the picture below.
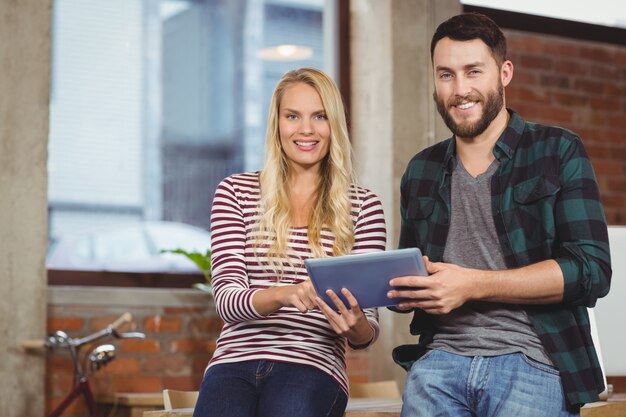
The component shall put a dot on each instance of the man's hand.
(447, 288)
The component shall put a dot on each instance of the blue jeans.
(444, 384)
(269, 389)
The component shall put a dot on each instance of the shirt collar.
(510, 137)
(450, 158)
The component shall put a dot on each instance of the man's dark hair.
(469, 26)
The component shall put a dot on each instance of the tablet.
(365, 275)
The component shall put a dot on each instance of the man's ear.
(506, 72)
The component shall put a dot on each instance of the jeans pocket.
(428, 353)
(540, 366)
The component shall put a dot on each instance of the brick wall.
(580, 85)
(181, 328)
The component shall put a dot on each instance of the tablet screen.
(365, 275)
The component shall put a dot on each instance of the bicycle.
(97, 358)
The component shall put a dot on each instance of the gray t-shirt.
(481, 328)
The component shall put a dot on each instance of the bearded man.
(509, 217)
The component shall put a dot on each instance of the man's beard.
(492, 106)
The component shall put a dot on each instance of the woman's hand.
(301, 296)
(348, 322)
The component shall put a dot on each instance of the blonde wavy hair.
(332, 206)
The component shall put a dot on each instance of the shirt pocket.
(533, 212)
(536, 189)
(420, 208)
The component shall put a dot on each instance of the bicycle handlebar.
(110, 330)
(34, 344)
(121, 320)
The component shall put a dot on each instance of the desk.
(381, 407)
(613, 407)
(357, 407)
(373, 407)
(128, 404)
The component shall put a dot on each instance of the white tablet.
(365, 275)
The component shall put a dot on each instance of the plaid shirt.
(546, 205)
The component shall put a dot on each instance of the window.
(153, 102)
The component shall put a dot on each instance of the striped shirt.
(545, 205)
(239, 269)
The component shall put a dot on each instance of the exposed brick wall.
(579, 85)
(179, 342)
(174, 354)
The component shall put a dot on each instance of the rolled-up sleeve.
(583, 248)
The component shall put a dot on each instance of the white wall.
(610, 311)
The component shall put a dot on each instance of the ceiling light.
(286, 52)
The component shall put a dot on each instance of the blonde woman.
(281, 351)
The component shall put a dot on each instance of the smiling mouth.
(306, 143)
(465, 106)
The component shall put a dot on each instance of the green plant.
(202, 261)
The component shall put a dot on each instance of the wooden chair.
(179, 399)
(379, 389)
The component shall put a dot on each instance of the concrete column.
(393, 117)
(24, 93)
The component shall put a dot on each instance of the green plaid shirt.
(545, 205)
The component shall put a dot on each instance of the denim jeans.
(269, 389)
(444, 384)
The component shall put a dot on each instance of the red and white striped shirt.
(239, 269)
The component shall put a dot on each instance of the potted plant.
(202, 261)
